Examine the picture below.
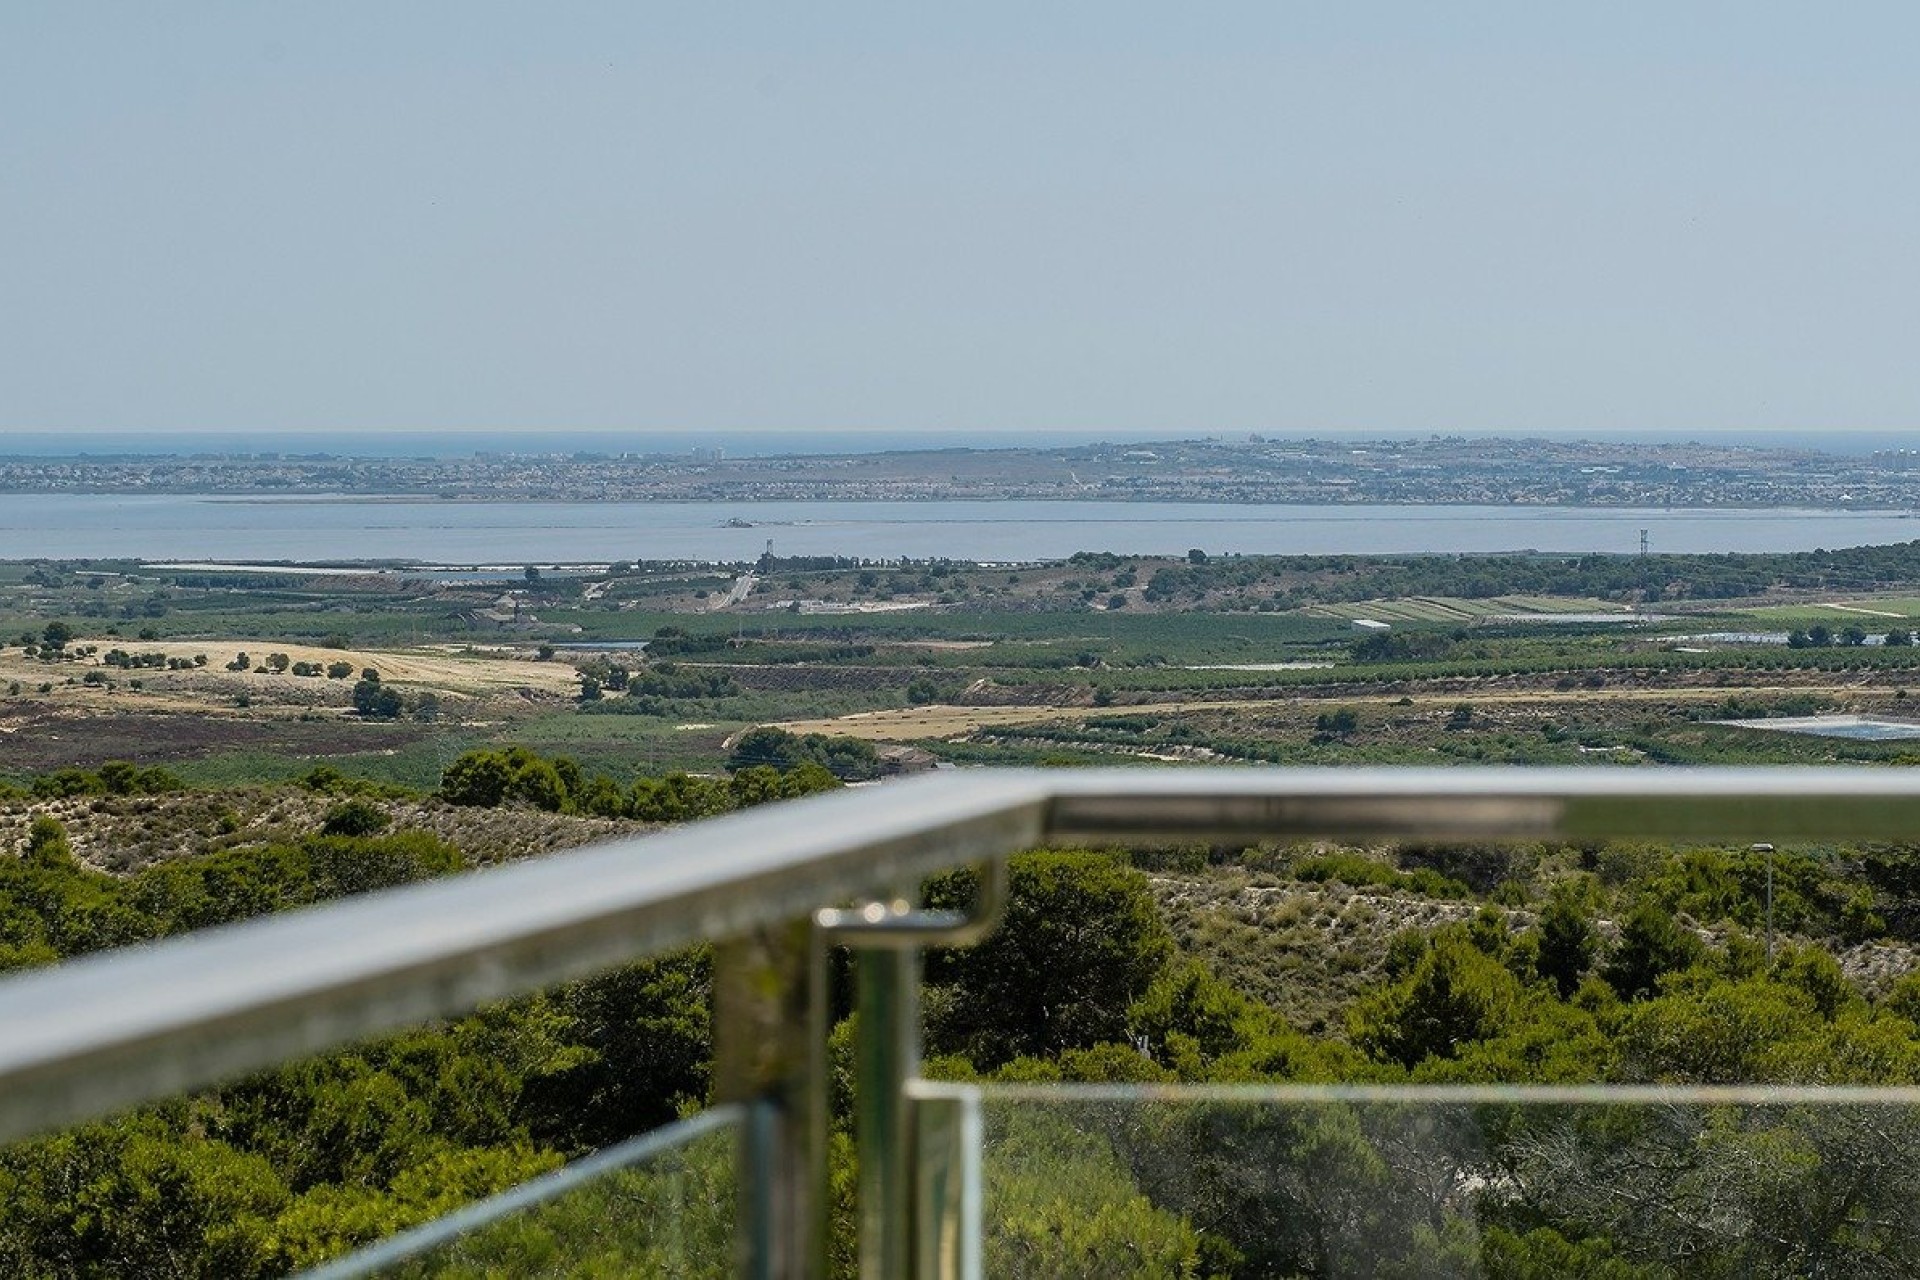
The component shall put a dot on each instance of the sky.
(994, 218)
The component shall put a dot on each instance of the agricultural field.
(259, 673)
(1869, 612)
(1455, 609)
(180, 749)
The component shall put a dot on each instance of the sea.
(318, 528)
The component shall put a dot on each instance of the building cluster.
(1436, 469)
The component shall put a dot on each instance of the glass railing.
(1004, 1181)
(659, 1205)
(1623, 1182)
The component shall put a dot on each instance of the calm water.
(1858, 728)
(202, 528)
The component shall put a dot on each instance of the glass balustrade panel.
(659, 1205)
(1080, 1181)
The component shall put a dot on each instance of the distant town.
(1250, 469)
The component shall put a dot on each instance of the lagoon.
(312, 528)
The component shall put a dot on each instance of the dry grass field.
(50, 715)
(444, 670)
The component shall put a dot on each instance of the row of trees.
(114, 778)
(848, 759)
(1820, 636)
(1306, 579)
(490, 779)
(280, 664)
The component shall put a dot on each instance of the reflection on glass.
(1352, 1183)
(660, 1205)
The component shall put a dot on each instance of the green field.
(1459, 609)
(1875, 613)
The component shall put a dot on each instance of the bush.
(1358, 871)
(354, 818)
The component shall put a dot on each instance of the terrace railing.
(774, 889)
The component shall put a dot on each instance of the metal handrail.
(108, 1031)
(150, 1021)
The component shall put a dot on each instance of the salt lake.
(190, 527)
(1858, 728)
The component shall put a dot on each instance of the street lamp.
(1768, 850)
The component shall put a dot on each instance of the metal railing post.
(767, 1030)
(887, 1056)
(887, 938)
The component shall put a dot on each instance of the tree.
(1853, 635)
(638, 1043)
(846, 758)
(538, 782)
(678, 797)
(1335, 724)
(129, 1197)
(56, 635)
(278, 662)
(375, 701)
(478, 778)
(120, 777)
(47, 844)
(1899, 636)
(1819, 635)
(1651, 944)
(1566, 942)
(765, 746)
(491, 778)
(1456, 994)
(1081, 941)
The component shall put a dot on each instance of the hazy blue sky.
(1109, 216)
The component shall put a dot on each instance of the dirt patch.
(35, 739)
